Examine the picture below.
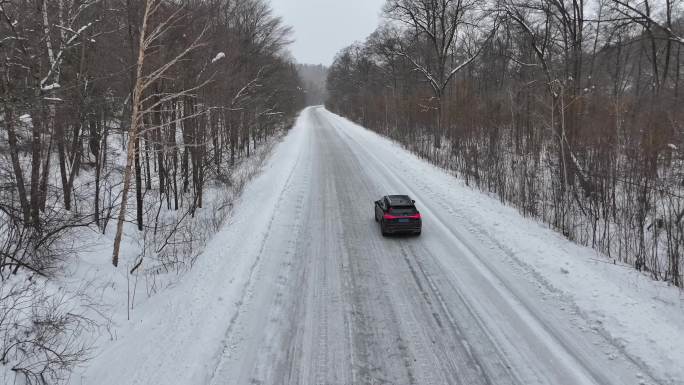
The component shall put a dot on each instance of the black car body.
(398, 214)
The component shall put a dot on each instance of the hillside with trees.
(122, 118)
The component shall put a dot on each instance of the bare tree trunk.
(172, 141)
(138, 185)
(45, 175)
(437, 143)
(61, 156)
(36, 156)
(233, 141)
(75, 161)
(132, 133)
(148, 172)
(16, 165)
(159, 148)
(96, 148)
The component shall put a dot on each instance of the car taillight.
(390, 216)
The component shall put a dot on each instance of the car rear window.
(403, 210)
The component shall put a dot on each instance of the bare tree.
(143, 82)
(445, 26)
(82, 81)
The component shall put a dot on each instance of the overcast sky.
(323, 27)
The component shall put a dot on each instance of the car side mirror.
(412, 201)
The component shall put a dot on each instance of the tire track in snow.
(458, 360)
(432, 360)
(229, 340)
(356, 308)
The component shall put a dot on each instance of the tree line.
(313, 77)
(177, 89)
(570, 110)
(122, 114)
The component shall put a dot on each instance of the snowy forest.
(570, 110)
(109, 107)
(313, 77)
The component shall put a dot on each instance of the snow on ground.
(301, 288)
(644, 317)
(185, 320)
(99, 298)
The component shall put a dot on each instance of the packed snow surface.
(301, 288)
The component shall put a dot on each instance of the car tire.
(382, 229)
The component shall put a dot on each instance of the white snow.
(645, 317)
(575, 305)
(218, 57)
(176, 336)
(51, 87)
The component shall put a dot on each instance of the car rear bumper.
(411, 227)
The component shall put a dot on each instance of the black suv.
(398, 214)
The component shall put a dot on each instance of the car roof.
(399, 200)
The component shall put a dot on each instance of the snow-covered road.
(301, 288)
